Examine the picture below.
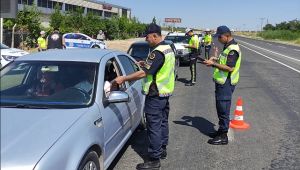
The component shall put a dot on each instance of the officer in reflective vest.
(193, 49)
(158, 86)
(207, 43)
(226, 76)
(42, 45)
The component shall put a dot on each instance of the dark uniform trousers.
(207, 51)
(157, 113)
(193, 63)
(223, 102)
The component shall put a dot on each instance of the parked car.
(140, 50)
(180, 40)
(58, 110)
(79, 40)
(9, 54)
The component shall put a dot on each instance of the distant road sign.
(9, 8)
(173, 20)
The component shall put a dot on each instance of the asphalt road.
(270, 89)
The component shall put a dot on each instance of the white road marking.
(230, 135)
(281, 46)
(298, 71)
(296, 50)
(271, 51)
(269, 43)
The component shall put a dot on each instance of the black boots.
(164, 154)
(152, 164)
(219, 139)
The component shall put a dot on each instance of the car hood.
(27, 134)
(13, 52)
(180, 46)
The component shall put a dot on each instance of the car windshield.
(48, 84)
(177, 39)
(140, 52)
(2, 46)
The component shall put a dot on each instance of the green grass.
(285, 35)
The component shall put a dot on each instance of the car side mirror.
(118, 97)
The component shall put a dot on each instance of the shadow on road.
(137, 142)
(200, 123)
(183, 80)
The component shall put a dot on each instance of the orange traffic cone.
(238, 120)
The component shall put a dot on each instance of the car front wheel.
(95, 46)
(90, 162)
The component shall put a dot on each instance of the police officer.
(55, 40)
(193, 49)
(158, 87)
(42, 44)
(207, 43)
(226, 76)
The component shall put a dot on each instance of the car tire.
(90, 162)
(95, 46)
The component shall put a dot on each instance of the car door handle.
(98, 122)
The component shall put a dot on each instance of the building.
(104, 10)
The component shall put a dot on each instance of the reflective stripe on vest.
(194, 39)
(165, 77)
(221, 76)
(207, 39)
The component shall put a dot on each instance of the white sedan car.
(9, 54)
(79, 40)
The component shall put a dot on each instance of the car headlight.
(9, 58)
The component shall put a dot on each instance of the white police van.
(79, 40)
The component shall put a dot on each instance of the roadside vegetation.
(288, 32)
(28, 24)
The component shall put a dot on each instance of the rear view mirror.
(118, 97)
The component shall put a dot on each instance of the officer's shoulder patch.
(232, 52)
(152, 56)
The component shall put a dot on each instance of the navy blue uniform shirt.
(232, 56)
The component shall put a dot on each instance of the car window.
(13, 76)
(128, 65)
(112, 70)
(140, 52)
(69, 36)
(2, 46)
(177, 39)
(49, 83)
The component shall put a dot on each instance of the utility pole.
(261, 24)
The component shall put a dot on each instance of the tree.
(28, 21)
(56, 18)
(74, 20)
(112, 28)
(269, 27)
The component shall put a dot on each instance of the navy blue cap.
(153, 28)
(222, 30)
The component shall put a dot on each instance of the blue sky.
(236, 14)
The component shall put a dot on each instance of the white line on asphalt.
(281, 46)
(270, 51)
(269, 44)
(230, 135)
(298, 71)
(296, 50)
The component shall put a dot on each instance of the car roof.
(176, 34)
(140, 43)
(80, 55)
